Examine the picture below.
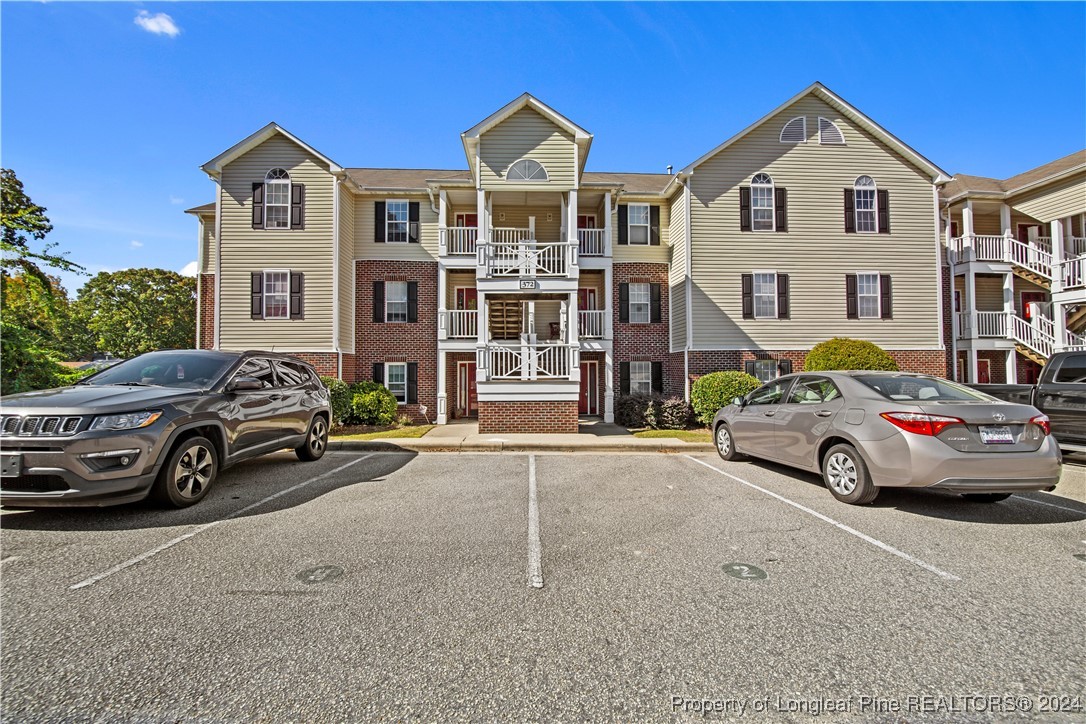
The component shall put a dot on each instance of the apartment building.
(526, 291)
(1018, 251)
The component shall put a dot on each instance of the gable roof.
(205, 209)
(848, 110)
(631, 183)
(214, 167)
(403, 178)
(966, 185)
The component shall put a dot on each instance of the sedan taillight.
(1042, 422)
(920, 423)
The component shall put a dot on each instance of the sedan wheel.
(841, 473)
(316, 441)
(725, 445)
(188, 474)
(846, 476)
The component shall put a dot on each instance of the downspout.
(941, 255)
(430, 192)
(200, 251)
(688, 284)
(336, 182)
(218, 262)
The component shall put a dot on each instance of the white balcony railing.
(592, 241)
(526, 258)
(509, 234)
(458, 240)
(1034, 334)
(1076, 245)
(1073, 272)
(590, 323)
(988, 324)
(463, 323)
(1033, 256)
(528, 362)
(989, 248)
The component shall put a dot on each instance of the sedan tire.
(846, 476)
(188, 474)
(316, 441)
(725, 443)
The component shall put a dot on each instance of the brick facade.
(452, 381)
(644, 342)
(399, 341)
(528, 417)
(205, 336)
(946, 289)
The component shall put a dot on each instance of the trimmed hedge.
(655, 411)
(340, 394)
(842, 353)
(363, 403)
(718, 389)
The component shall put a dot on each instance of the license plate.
(996, 435)
(11, 465)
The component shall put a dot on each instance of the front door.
(467, 298)
(586, 221)
(467, 404)
(1027, 299)
(984, 372)
(469, 220)
(589, 403)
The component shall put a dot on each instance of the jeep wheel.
(188, 474)
(316, 441)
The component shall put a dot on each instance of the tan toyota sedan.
(868, 430)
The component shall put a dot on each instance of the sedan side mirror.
(244, 384)
(739, 402)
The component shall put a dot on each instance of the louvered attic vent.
(795, 131)
(829, 134)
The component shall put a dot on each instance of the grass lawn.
(374, 433)
(703, 435)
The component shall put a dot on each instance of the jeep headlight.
(125, 421)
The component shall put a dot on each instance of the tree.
(133, 311)
(24, 222)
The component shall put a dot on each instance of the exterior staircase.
(1076, 319)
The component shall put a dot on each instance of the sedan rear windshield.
(165, 369)
(920, 389)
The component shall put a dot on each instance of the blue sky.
(106, 119)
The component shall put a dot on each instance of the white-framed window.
(277, 199)
(527, 170)
(396, 380)
(867, 295)
(795, 131)
(765, 295)
(641, 378)
(640, 303)
(761, 203)
(638, 223)
(276, 294)
(829, 134)
(866, 204)
(765, 369)
(396, 220)
(395, 301)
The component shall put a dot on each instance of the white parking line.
(200, 529)
(535, 549)
(1019, 498)
(889, 549)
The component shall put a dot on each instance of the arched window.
(795, 131)
(866, 205)
(761, 202)
(277, 199)
(829, 134)
(527, 170)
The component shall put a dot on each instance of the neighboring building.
(528, 291)
(1018, 249)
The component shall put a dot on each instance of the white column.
(1012, 367)
(482, 248)
(565, 222)
(573, 332)
(609, 386)
(442, 399)
(1059, 325)
(1058, 255)
(481, 371)
(442, 222)
(480, 212)
(969, 304)
(1068, 235)
(1008, 293)
(607, 227)
(532, 335)
(608, 303)
(1005, 218)
(573, 216)
(967, 231)
(972, 365)
(442, 300)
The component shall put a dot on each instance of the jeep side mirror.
(244, 384)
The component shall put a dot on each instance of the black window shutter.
(256, 286)
(784, 367)
(412, 301)
(623, 224)
(624, 303)
(654, 297)
(780, 203)
(379, 222)
(378, 302)
(413, 222)
(658, 377)
(886, 296)
(258, 204)
(744, 208)
(748, 296)
(412, 383)
(884, 211)
(654, 226)
(624, 378)
(297, 295)
(851, 307)
(297, 206)
(748, 366)
(782, 296)
(379, 373)
(850, 211)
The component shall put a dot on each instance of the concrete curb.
(634, 445)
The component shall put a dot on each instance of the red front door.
(468, 403)
(467, 298)
(586, 221)
(1027, 299)
(984, 372)
(589, 397)
(469, 220)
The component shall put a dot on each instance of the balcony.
(988, 324)
(590, 323)
(592, 242)
(1033, 257)
(458, 324)
(458, 241)
(1073, 272)
(506, 255)
(524, 362)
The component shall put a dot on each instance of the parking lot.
(396, 586)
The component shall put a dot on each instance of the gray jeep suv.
(161, 424)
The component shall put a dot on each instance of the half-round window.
(277, 199)
(527, 170)
(829, 134)
(761, 202)
(795, 131)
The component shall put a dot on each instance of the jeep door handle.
(823, 413)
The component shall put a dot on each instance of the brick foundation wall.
(399, 341)
(645, 342)
(205, 336)
(528, 417)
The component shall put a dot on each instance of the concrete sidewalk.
(593, 436)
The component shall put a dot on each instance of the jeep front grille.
(38, 426)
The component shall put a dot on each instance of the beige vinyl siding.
(677, 272)
(457, 279)
(816, 252)
(247, 250)
(207, 244)
(1056, 201)
(346, 268)
(989, 292)
(517, 217)
(638, 252)
(527, 134)
(366, 248)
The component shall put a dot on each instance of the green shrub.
(340, 393)
(717, 389)
(371, 404)
(841, 353)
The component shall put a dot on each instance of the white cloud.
(135, 244)
(176, 200)
(189, 270)
(159, 24)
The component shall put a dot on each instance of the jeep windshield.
(192, 370)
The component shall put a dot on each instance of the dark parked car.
(1060, 393)
(161, 424)
(868, 430)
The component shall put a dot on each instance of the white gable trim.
(530, 101)
(214, 167)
